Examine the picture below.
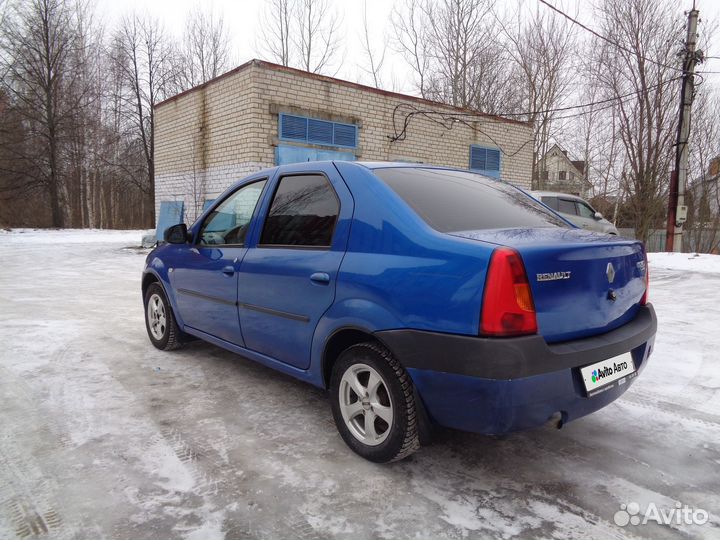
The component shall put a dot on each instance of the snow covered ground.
(102, 436)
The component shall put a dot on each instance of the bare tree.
(374, 59)
(45, 87)
(206, 48)
(301, 33)
(146, 59)
(274, 37)
(411, 40)
(318, 35)
(453, 48)
(703, 225)
(541, 47)
(641, 80)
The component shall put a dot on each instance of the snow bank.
(693, 262)
(70, 236)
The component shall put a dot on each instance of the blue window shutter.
(320, 131)
(493, 160)
(207, 203)
(315, 131)
(485, 160)
(345, 135)
(293, 127)
(478, 158)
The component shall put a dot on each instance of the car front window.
(228, 223)
(585, 210)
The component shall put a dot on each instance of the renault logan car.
(416, 295)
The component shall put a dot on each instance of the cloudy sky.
(242, 17)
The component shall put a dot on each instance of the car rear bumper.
(500, 385)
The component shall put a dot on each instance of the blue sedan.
(416, 295)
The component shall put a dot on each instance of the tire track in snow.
(673, 409)
(27, 495)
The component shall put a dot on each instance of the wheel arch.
(150, 277)
(147, 279)
(339, 340)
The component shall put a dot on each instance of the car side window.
(228, 223)
(566, 206)
(552, 202)
(585, 211)
(303, 212)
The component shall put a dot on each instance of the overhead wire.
(607, 39)
(472, 118)
(473, 124)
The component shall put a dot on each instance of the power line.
(448, 119)
(607, 39)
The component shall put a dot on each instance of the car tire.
(160, 321)
(369, 385)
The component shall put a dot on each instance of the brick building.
(261, 114)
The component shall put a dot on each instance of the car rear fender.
(353, 314)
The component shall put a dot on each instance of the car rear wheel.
(373, 404)
(159, 319)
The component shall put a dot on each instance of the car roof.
(557, 194)
(372, 165)
(398, 164)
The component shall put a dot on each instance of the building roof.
(306, 74)
(579, 165)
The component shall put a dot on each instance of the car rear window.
(452, 201)
(552, 202)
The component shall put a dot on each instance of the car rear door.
(205, 275)
(287, 278)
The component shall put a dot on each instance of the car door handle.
(320, 277)
(228, 270)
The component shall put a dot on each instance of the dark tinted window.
(567, 207)
(303, 212)
(552, 202)
(228, 223)
(451, 201)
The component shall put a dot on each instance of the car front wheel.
(373, 404)
(159, 320)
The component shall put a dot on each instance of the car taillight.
(508, 308)
(644, 298)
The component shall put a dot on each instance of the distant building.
(262, 114)
(557, 172)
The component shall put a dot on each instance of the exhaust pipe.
(557, 420)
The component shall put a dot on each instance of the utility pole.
(677, 211)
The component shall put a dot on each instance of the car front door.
(287, 279)
(205, 276)
(587, 217)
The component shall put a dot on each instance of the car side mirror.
(177, 234)
(598, 216)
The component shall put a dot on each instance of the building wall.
(213, 135)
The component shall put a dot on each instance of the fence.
(691, 239)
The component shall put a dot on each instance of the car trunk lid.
(583, 283)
